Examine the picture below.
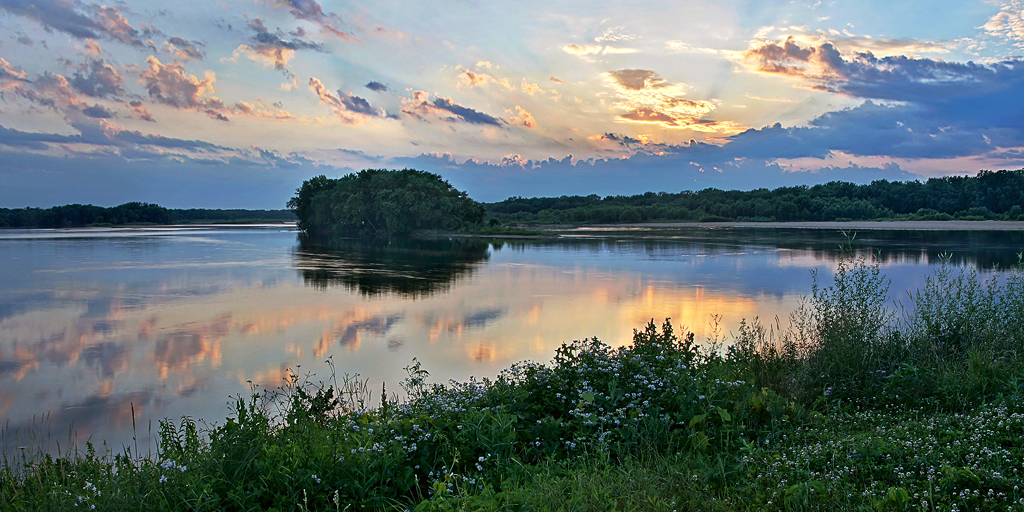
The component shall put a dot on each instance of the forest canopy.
(990, 195)
(77, 215)
(379, 201)
(80, 215)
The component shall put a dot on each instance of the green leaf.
(726, 417)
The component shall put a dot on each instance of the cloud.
(170, 85)
(11, 76)
(55, 14)
(377, 87)
(647, 98)
(97, 79)
(897, 131)
(98, 111)
(587, 50)
(261, 108)
(622, 139)
(92, 48)
(942, 95)
(420, 106)
(349, 108)
(115, 25)
(313, 12)
(846, 42)
(108, 136)
(523, 118)
(863, 74)
(95, 21)
(474, 79)
(613, 34)
(178, 172)
(184, 50)
(272, 49)
(140, 110)
(532, 88)
(694, 166)
(50, 90)
(1008, 24)
(216, 115)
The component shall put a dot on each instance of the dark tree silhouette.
(379, 201)
(989, 195)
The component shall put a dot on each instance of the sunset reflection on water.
(174, 322)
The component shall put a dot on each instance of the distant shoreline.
(146, 225)
(881, 225)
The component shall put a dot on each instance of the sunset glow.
(235, 104)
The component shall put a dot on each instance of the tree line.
(79, 215)
(997, 195)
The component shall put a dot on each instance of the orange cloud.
(473, 79)
(349, 108)
(171, 85)
(92, 48)
(11, 76)
(532, 89)
(260, 108)
(647, 98)
(523, 118)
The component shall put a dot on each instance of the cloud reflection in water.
(87, 342)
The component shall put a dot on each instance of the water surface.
(96, 323)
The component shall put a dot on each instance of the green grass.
(853, 405)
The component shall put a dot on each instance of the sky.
(233, 104)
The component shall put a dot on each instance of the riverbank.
(849, 408)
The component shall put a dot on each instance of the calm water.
(172, 322)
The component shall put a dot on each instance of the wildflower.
(163, 479)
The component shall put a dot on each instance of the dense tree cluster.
(989, 195)
(377, 201)
(78, 215)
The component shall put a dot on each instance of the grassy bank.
(851, 405)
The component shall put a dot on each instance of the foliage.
(79, 215)
(375, 201)
(853, 406)
(989, 195)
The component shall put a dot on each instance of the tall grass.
(856, 403)
(957, 343)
